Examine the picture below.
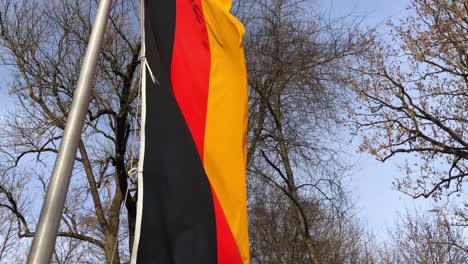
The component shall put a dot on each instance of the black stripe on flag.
(178, 221)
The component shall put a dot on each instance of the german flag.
(192, 193)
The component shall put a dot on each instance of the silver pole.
(44, 239)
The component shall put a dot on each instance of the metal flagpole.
(43, 243)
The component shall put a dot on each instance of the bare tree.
(413, 94)
(11, 187)
(428, 238)
(294, 57)
(8, 236)
(43, 43)
(277, 238)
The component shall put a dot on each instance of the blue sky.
(371, 181)
(376, 11)
(5, 99)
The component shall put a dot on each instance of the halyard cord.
(136, 237)
(150, 72)
(132, 170)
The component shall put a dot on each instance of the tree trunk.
(131, 218)
(292, 188)
(111, 249)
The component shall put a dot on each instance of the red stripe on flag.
(190, 77)
(190, 69)
(228, 252)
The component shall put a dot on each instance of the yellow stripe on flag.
(226, 122)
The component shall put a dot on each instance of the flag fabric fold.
(192, 194)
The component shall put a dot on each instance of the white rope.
(144, 63)
(132, 170)
(150, 72)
